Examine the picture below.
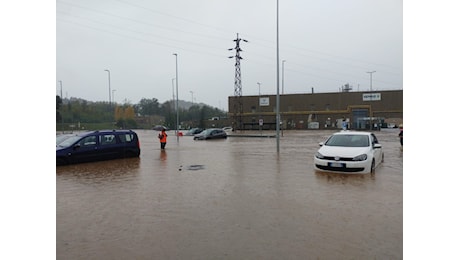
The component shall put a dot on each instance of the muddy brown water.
(230, 199)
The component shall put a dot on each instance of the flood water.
(230, 199)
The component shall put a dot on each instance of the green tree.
(148, 107)
(58, 107)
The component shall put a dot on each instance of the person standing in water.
(162, 136)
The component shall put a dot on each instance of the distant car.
(211, 133)
(98, 146)
(227, 129)
(194, 131)
(349, 152)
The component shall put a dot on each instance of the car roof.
(346, 132)
(106, 132)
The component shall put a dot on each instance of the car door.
(109, 147)
(85, 150)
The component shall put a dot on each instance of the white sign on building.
(371, 97)
(264, 101)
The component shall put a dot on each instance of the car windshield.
(60, 138)
(69, 141)
(348, 140)
(207, 131)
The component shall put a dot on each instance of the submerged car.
(194, 131)
(349, 152)
(98, 146)
(211, 133)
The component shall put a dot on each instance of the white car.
(349, 152)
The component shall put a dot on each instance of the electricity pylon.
(237, 105)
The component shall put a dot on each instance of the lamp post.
(110, 98)
(173, 88)
(370, 72)
(60, 83)
(282, 78)
(260, 129)
(277, 80)
(177, 101)
(113, 95)
(192, 96)
(370, 121)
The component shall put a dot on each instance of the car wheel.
(373, 166)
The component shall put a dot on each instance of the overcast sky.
(325, 44)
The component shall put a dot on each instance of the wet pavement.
(230, 199)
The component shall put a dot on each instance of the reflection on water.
(352, 179)
(229, 199)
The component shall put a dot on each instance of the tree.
(58, 107)
(148, 107)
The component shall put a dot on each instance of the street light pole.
(113, 95)
(110, 98)
(258, 83)
(371, 119)
(282, 81)
(173, 89)
(192, 96)
(277, 80)
(370, 72)
(177, 101)
(60, 83)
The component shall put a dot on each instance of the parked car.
(194, 131)
(349, 152)
(227, 129)
(98, 146)
(211, 133)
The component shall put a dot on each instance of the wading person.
(162, 136)
(401, 135)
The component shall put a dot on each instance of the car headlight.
(361, 157)
(319, 156)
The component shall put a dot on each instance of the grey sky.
(326, 44)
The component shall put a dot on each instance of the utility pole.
(238, 105)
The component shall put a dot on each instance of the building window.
(327, 108)
(253, 109)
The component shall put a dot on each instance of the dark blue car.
(98, 146)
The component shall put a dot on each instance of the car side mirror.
(77, 146)
(321, 144)
(377, 146)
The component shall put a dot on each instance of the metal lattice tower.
(238, 104)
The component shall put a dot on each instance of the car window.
(374, 139)
(88, 141)
(126, 138)
(107, 139)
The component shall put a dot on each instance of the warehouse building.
(360, 110)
